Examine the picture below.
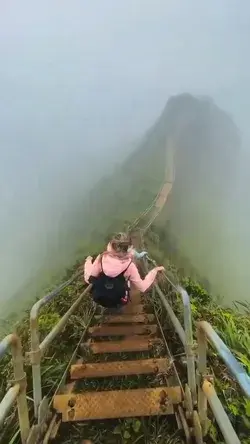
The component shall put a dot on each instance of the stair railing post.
(202, 371)
(17, 390)
(35, 359)
(189, 346)
(21, 379)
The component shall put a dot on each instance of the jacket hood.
(113, 264)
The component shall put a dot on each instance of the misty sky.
(81, 80)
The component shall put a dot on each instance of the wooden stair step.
(130, 344)
(133, 309)
(119, 368)
(117, 403)
(122, 330)
(126, 319)
(136, 297)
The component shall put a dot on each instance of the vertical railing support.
(189, 346)
(21, 379)
(18, 391)
(220, 415)
(35, 359)
(202, 371)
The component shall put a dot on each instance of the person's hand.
(141, 255)
(161, 268)
(89, 258)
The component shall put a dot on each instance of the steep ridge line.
(161, 198)
(167, 399)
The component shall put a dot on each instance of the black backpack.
(108, 291)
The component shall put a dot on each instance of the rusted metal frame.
(220, 415)
(37, 349)
(18, 390)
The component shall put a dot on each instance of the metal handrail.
(38, 349)
(155, 214)
(17, 391)
(220, 415)
(146, 211)
(205, 331)
(185, 334)
(206, 391)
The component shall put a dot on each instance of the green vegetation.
(233, 326)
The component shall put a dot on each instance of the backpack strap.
(124, 271)
(101, 256)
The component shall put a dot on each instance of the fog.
(80, 82)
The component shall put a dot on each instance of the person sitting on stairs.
(112, 272)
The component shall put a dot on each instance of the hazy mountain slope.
(118, 197)
(203, 212)
(207, 147)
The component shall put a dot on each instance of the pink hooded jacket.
(114, 264)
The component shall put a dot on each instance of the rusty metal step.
(133, 309)
(131, 344)
(122, 330)
(126, 319)
(117, 403)
(119, 368)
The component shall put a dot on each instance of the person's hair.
(120, 242)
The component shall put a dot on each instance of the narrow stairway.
(124, 370)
